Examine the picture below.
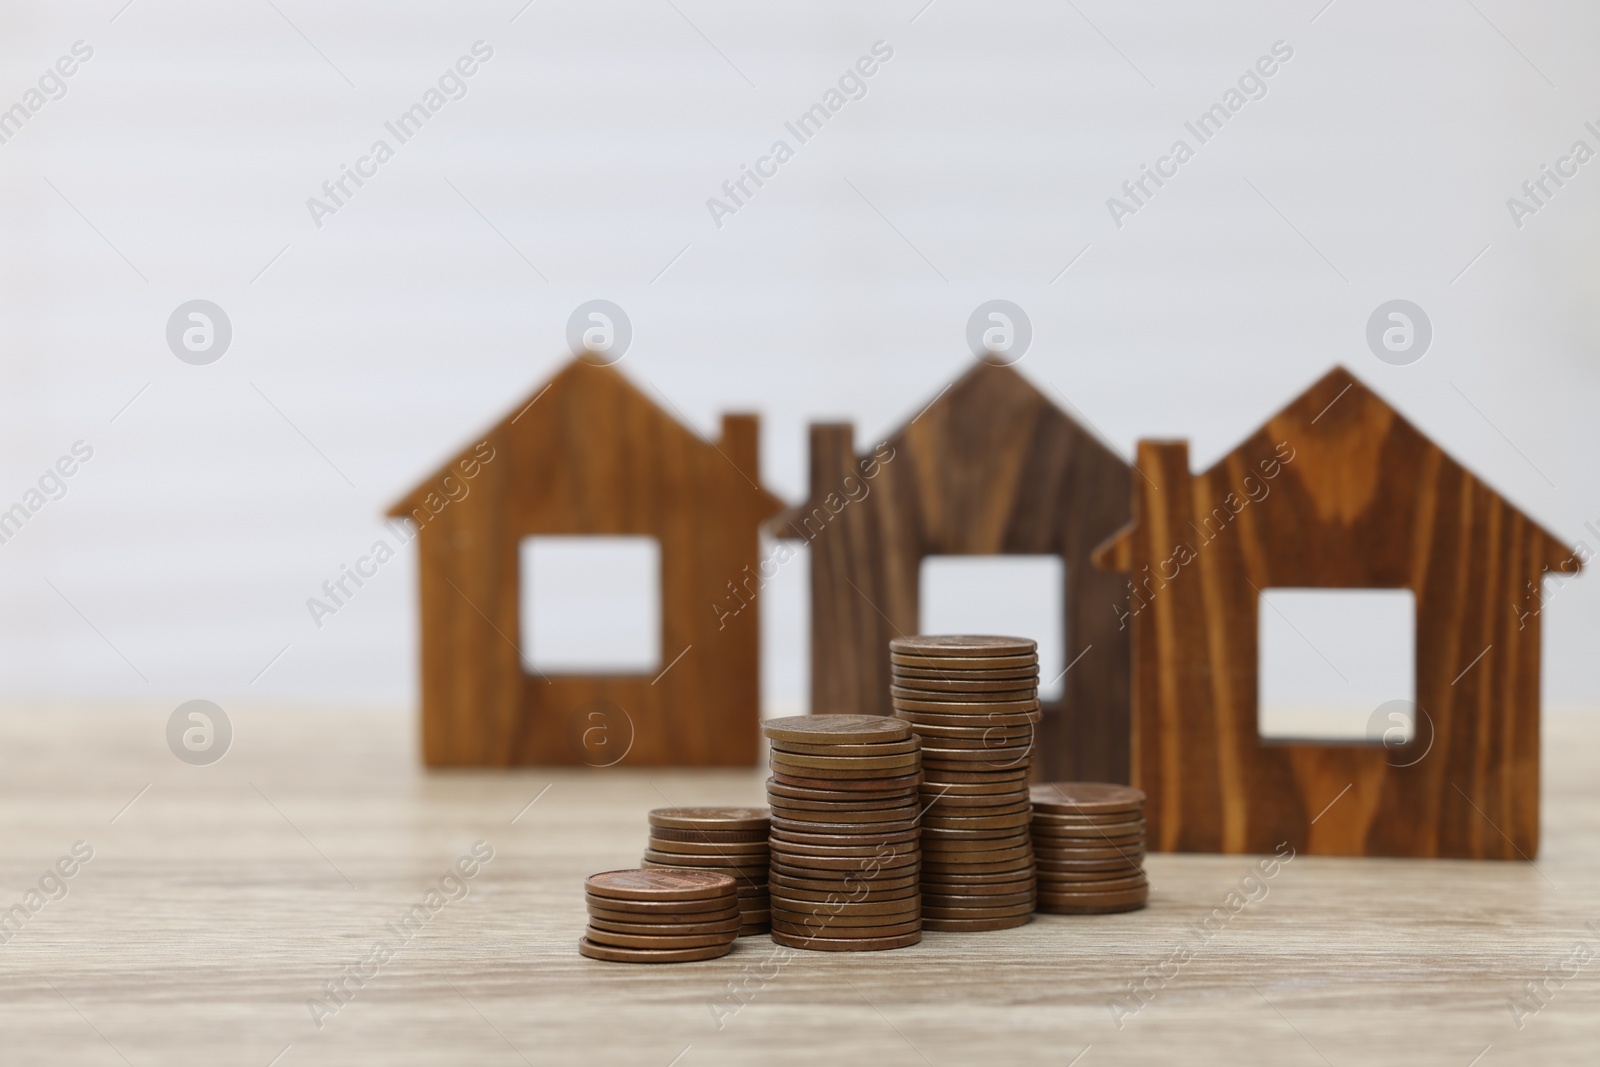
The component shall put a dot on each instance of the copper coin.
(1110, 829)
(1016, 888)
(816, 929)
(1011, 721)
(721, 902)
(989, 850)
(962, 646)
(802, 865)
(945, 901)
(1018, 872)
(1093, 877)
(659, 885)
(835, 775)
(667, 833)
(1002, 792)
(1048, 883)
(782, 839)
(846, 729)
(879, 748)
(977, 732)
(932, 691)
(1049, 818)
(955, 926)
(836, 762)
(710, 818)
(913, 677)
(620, 940)
(718, 848)
(932, 911)
(848, 785)
(843, 814)
(646, 955)
(882, 886)
(1071, 798)
(659, 918)
(951, 704)
(1107, 852)
(860, 799)
(865, 944)
(1014, 777)
(843, 829)
(864, 913)
(793, 851)
(943, 866)
(1120, 898)
(1017, 819)
(1049, 846)
(744, 878)
(834, 896)
(898, 659)
(975, 807)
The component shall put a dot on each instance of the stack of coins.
(1088, 841)
(974, 702)
(730, 840)
(845, 859)
(659, 916)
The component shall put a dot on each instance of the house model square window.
(591, 604)
(1015, 595)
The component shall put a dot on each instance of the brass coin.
(846, 729)
(932, 691)
(864, 944)
(956, 926)
(928, 705)
(860, 799)
(619, 940)
(817, 930)
(659, 918)
(646, 955)
(962, 646)
(655, 885)
(879, 748)
(1072, 798)
(667, 833)
(988, 663)
(710, 818)
(719, 848)
(848, 785)
(946, 901)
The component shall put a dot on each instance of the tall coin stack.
(730, 840)
(1088, 841)
(845, 856)
(659, 916)
(974, 702)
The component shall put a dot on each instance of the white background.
(578, 166)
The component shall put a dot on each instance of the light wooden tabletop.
(223, 899)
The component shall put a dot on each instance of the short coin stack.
(659, 916)
(1088, 841)
(974, 703)
(845, 857)
(730, 840)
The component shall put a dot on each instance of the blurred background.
(373, 336)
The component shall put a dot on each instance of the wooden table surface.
(224, 898)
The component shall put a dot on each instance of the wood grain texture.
(591, 454)
(990, 467)
(1336, 491)
(216, 905)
